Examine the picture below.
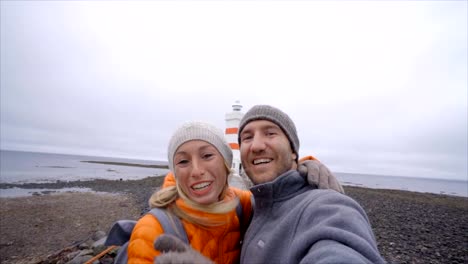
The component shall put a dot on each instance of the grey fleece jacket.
(294, 223)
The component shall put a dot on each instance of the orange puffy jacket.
(219, 243)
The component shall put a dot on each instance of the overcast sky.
(374, 87)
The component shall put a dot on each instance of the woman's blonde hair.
(166, 198)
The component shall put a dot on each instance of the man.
(293, 221)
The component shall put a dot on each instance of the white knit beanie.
(198, 131)
(272, 114)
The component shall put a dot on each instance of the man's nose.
(258, 144)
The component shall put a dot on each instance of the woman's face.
(200, 171)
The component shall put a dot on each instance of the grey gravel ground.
(140, 190)
(409, 227)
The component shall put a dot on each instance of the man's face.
(265, 151)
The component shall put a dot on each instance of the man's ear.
(294, 155)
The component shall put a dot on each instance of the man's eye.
(271, 132)
(246, 137)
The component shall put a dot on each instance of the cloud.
(376, 87)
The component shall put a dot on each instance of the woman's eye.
(182, 162)
(208, 155)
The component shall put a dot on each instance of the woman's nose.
(197, 169)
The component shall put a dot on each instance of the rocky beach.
(49, 227)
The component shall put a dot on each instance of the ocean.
(27, 167)
(429, 185)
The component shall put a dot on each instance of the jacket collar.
(286, 185)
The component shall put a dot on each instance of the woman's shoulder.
(242, 194)
(140, 247)
(147, 225)
(245, 199)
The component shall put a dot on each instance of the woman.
(200, 160)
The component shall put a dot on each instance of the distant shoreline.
(127, 164)
(35, 167)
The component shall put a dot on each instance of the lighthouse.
(233, 119)
(232, 128)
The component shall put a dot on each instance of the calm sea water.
(22, 167)
(439, 186)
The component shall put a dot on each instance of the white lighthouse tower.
(232, 128)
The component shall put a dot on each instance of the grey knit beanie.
(272, 114)
(198, 131)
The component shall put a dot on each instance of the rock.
(107, 260)
(85, 252)
(99, 246)
(98, 235)
(80, 259)
(73, 254)
(83, 245)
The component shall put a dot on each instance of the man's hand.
(319, 175)
(175, 251)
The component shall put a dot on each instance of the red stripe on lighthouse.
(232, 130)
(234, 145)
